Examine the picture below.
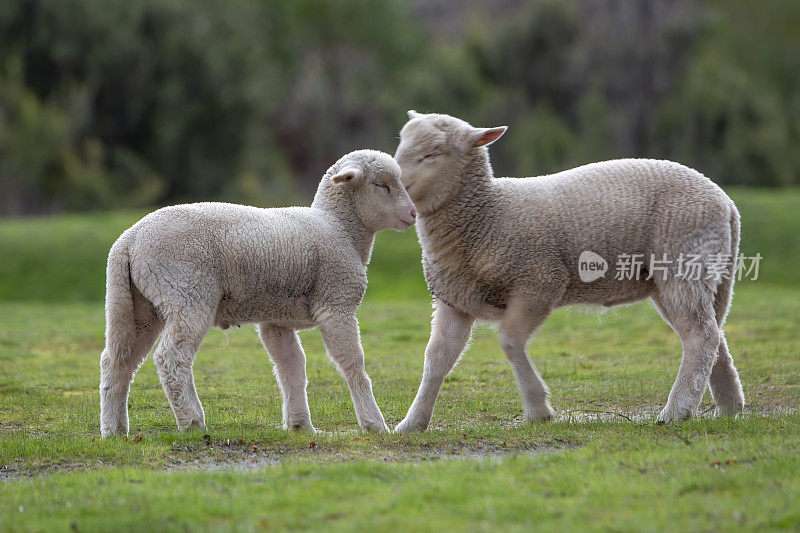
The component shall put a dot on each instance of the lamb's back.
(613, 207)
(532, 231)
(248, 258)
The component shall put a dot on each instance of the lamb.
(507, 250)
(183, 269)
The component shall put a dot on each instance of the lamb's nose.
(413, 214)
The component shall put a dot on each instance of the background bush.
(121, 104)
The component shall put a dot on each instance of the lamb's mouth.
(403, 225)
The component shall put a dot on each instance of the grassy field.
(601, 465)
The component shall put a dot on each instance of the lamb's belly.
(295, 324)
(607, 292)
(293, 312)
(470, 298)
(489, 303)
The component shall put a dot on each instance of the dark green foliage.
(119, 103)
(712, 85)
(134, 103)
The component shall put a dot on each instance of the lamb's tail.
(117, 363)
(120, 318)
(722, 300)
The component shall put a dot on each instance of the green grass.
(770, 225)
(629, 478)
(478, 469)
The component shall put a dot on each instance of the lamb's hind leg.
(688, 307)
(174, 358)
(283, 347)
(122, 356)
(523, 316)
(726, 388)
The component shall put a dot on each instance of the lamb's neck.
(337, 201)
(468, 210)
(362, 239)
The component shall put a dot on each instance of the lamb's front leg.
(523, 316)
(450, 330)
(283, 347)
(342, 341)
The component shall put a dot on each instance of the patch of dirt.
(649, 413)
(243, 456)
(19, 470)
(233, 462)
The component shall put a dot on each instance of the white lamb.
(507, 250)
(183, 269)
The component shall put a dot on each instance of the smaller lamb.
(510, 250)
(183, 269)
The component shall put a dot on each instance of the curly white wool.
(183, 269)
(508, 249)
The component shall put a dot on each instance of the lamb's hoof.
(719, 413)
(375, 426)
(105, 432)
(540, 415)
(113, 426)
(301, 427)
(194, 425)
(408, 426)
(670, 414)
(730, 408)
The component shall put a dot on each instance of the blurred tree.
(120, 103)
(39, 158)
(736, 112)
(344, 71)
(596, 69)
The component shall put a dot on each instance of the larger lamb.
(510, 250)
(183, 269)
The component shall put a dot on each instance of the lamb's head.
(371, 181)
(434, 153)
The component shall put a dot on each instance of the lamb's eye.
(430, 157)
(384, 187)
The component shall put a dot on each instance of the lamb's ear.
(486, 136)
(348, 175)
(412, 114)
